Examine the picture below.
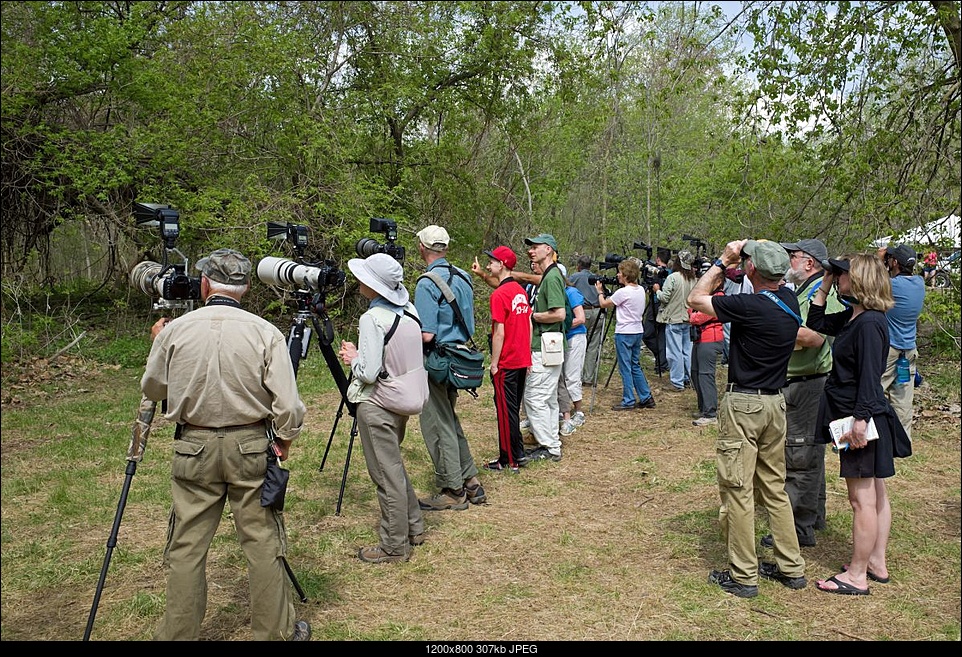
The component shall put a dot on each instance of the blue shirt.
(435, 312)
(903, 318)
(575, 299)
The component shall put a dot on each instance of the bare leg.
(876, 560)
(865, 530)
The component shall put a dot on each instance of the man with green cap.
(548, 314)
(750, 448)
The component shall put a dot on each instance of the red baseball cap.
(504, 255)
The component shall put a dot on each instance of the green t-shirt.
(549, 294)
(813, 360)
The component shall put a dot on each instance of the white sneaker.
(705, 421)
(567, 428)
(577, 418)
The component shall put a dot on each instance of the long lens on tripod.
(144, 277)
(281, 271)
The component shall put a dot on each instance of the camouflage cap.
(226, 266)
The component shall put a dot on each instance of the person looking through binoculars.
(227, 378)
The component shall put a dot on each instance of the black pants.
(508, 394)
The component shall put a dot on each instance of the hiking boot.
(302, 631)
(542, 454)
(578, 418)
(567, 428)
(416, 539)
(377, 554)
(772, 572)
(705, 421)
(768, 541)
(476, 494)
(619, 407)
(648, 403)
(723, 578)
(444, 501)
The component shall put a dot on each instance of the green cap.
(770, 258)
(543, 238)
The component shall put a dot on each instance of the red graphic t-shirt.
(509, 306)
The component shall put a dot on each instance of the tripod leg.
(603, 317)
(294, 582)
(337, 417)
(347, 466)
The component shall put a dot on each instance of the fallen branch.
(67, 348)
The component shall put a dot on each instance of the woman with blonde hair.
(854, 388)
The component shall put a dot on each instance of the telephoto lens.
(281, 271)
(143, 277)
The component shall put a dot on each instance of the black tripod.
(313, 306)
(605, 324)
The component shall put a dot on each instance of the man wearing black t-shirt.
(750, 448)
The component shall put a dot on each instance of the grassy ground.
(613, 543)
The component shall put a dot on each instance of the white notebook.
(843, 425)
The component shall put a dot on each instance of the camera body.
(368, 246)
(168, 281)
(170, 284)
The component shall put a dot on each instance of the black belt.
(806, 377)
(731, 387)
(251, 425)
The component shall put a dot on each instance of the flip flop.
(843, 587)
(872, 576)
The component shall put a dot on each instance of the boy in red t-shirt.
(510, 356)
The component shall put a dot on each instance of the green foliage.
(940, 333)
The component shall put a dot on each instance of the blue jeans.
(628, 349)
(678, 351)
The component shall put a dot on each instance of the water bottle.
(902, 371)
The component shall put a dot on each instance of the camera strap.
(215, 300)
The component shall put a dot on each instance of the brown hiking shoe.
(416, 539)
(444, 501)
(377, 554)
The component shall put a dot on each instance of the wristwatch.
(718, 263)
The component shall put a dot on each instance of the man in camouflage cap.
(228, 380)
(226, 266)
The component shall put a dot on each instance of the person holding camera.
(674, 314)
(227, 378)
(750, 447)
(455, 471)
(854, 389)
(388, 384)
(629, 299)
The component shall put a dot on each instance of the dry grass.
(613, 543)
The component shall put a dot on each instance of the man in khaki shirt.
(225, 373)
